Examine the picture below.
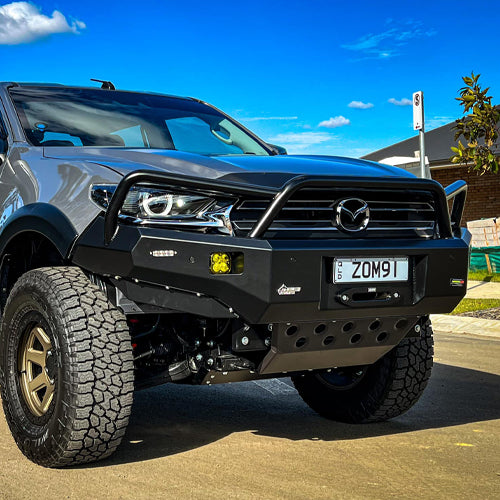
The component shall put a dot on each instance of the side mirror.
(279, 150)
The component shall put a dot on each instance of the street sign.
(418, 110)
(418, 124)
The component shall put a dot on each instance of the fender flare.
(41, 218)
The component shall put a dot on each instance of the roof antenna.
(105, 84)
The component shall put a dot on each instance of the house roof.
(438, 143)
(437, 146)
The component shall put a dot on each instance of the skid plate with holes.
(315, 345)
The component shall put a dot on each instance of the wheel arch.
(40, 218)
(35, 235)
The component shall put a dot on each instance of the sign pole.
(422, 153)
(418, 124)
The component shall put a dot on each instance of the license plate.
(370, 269)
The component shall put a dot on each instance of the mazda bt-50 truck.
(149, 239)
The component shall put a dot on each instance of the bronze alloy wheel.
(36, 371)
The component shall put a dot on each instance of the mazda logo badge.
(352, 215)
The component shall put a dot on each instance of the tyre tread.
(101, 379)
(402, 376)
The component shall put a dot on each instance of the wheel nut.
(199, 357)
(210, 361)
(245, 340)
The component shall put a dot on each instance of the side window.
(133, 137)
(193, 135)
(3, 136)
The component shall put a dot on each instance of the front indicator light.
(220, 263)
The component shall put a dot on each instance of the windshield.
(105, 118)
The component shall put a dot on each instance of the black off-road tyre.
(87, 355)
(384, 390)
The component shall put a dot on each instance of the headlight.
(152, 203)
(163, 206)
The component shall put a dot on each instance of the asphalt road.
(261, 441)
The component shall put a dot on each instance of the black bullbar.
(281, 196)
(161, 269)
(168, 270)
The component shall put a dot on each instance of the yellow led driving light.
(220, 263)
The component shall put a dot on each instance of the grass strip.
(484, 276)
(475, 305)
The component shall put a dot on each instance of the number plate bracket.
(370, 296)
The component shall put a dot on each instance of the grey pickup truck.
(149, 239)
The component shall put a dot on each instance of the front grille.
(310, 213)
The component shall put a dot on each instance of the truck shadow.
(172, 419)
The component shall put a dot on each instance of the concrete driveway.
(261, 441)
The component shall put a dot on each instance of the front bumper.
(183, 282)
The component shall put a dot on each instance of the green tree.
(479, 127)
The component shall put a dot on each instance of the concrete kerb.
(463, 324)
(483, 290)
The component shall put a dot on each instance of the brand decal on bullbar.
(288, 290)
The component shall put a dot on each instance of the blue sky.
(319, 77)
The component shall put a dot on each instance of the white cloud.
(22, 22)
(261, 118)
(437, 121)
(368, 43)
(389, 43)
(338, 121)
(320, 143)
(301, 142)
(352, 152)
(360, 105)
(402, 102)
